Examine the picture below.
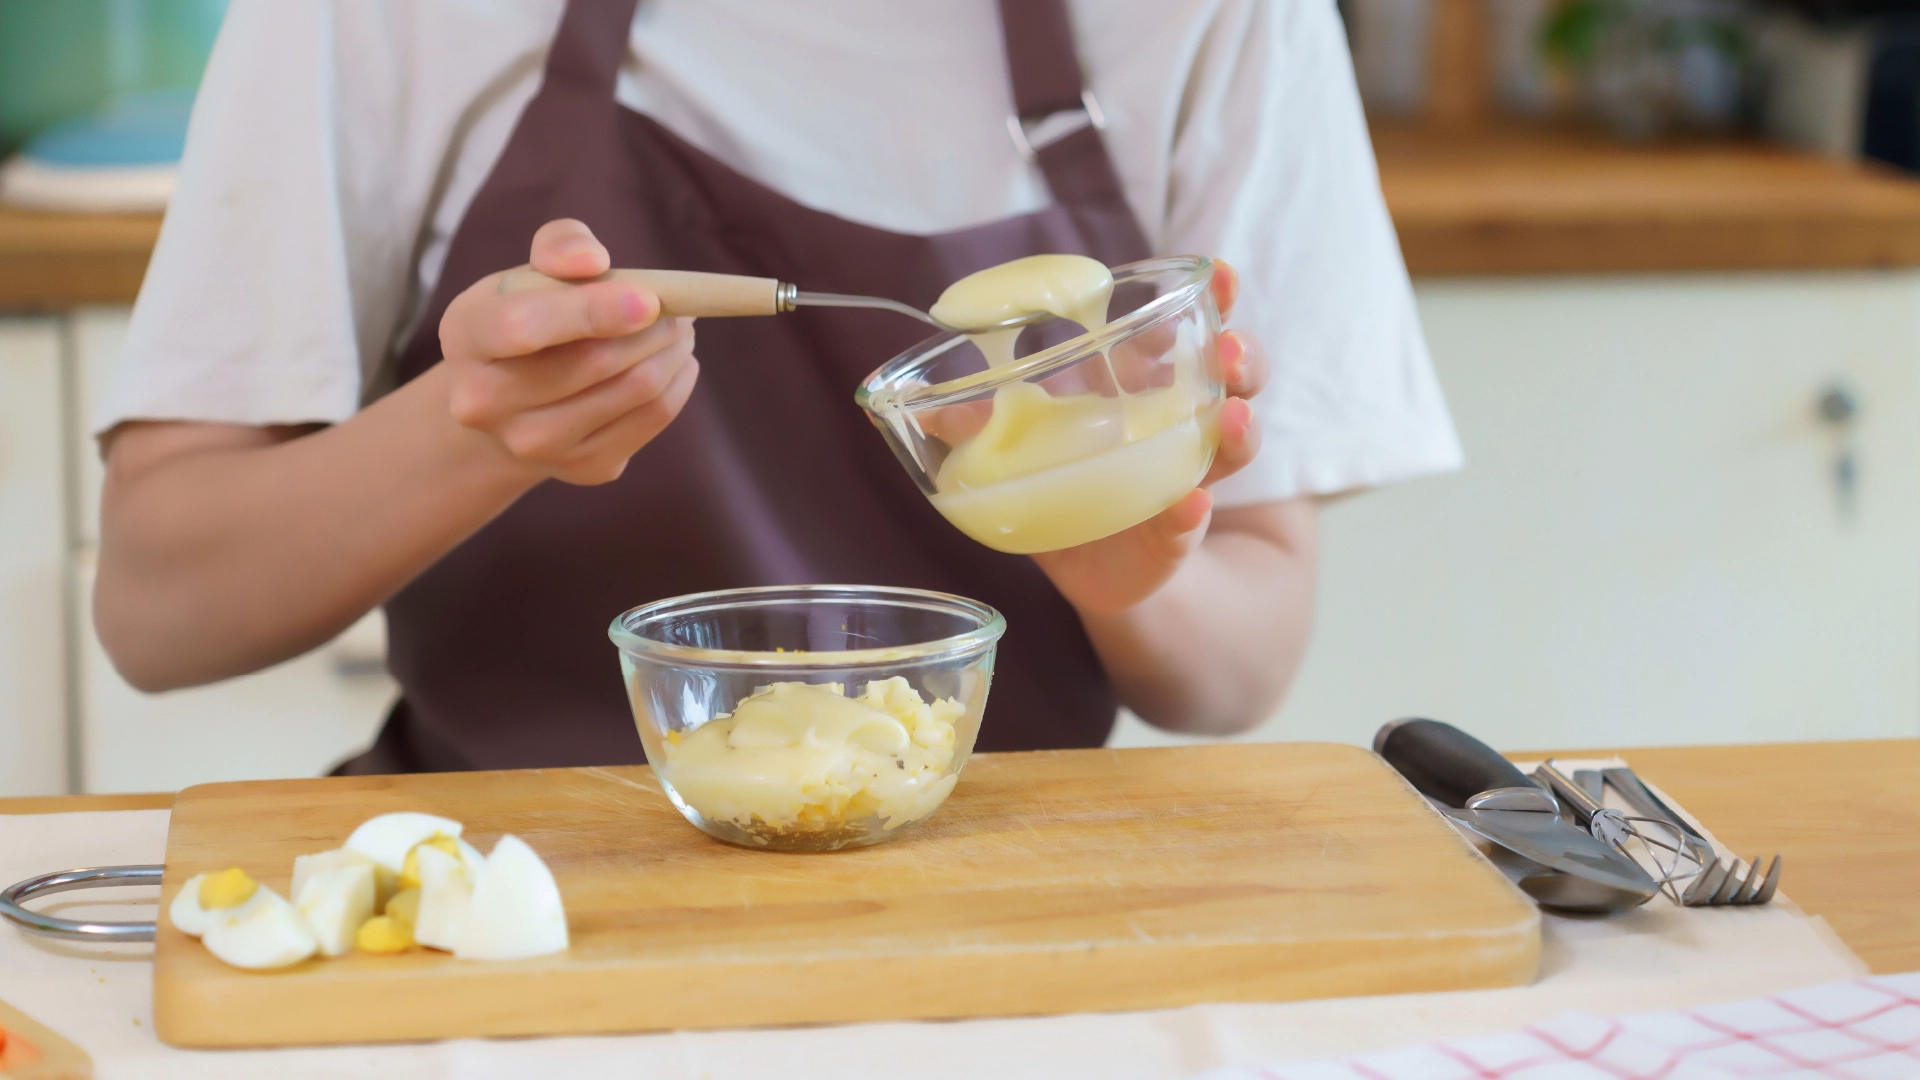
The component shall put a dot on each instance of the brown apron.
(771, 475)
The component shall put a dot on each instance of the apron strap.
(1056, 125)
(1040, 57)
(590, 45)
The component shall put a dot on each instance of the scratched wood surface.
(1050, 882)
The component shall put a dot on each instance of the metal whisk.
(1728, 883)
(1660, 842)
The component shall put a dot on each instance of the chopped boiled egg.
(515, 910)
(426, 882)
(306, 866)
(227, 889)
(451, 845)
(405, 906)
(334, 903)
(446, 888)
(384, 934)
(386, 839)
(207, 899)
(268, 933)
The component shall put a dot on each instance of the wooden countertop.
(54, 261)
(1844, 816)
(1513, 199)
(1500, 199)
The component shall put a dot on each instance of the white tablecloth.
(1654, 958)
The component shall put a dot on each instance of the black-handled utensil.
(1444, 763)
(1477, 787)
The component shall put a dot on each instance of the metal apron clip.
(1029, 140)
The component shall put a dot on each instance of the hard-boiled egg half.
(515, 911)
(242, 921)
(429, 886)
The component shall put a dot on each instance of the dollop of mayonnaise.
(804, 756)
(1073, 287)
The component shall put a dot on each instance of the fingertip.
(1226, 285)
(1236, 416)
(1233, 356)
(567, 248)
(640, 306)
(1190, 512)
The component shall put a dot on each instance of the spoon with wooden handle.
(703, 295)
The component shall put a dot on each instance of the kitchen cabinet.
(1651, 543)
(299, 718)
(33, 688)
(67, 719)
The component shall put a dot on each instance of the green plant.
(1578, 29)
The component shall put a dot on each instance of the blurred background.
(1667, 253)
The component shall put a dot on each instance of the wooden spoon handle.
(681, 292)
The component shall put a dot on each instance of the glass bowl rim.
(1199, 273)
(991, 625)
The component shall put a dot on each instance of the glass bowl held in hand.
(1091, 434)
(808, 718)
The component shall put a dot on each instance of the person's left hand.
(1108, 576)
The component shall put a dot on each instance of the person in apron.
(752, 467)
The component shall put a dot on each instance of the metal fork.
(1720, 883)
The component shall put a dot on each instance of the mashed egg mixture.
(802, 757)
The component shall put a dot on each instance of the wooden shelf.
(54, 261)
(1528, 200)
(67, 804)
(1486, 199)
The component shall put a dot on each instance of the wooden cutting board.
(30, 1050)
(1050, 882)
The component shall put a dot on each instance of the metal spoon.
(702, 295)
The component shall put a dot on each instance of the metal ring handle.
(92, 877)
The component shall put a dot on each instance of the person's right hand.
(570, 382)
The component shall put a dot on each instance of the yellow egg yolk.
(405, 906)
(410, 869)
(227, 889)
(384, 934)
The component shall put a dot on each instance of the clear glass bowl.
(1084, 436)
(788, 768)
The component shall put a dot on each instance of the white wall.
(1646, 546)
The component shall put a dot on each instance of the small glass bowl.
(693, 660)
(1123, 422)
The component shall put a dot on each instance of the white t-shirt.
(336, 144)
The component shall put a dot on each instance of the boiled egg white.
(515, 910)
(334, 902)
(386, 839)
(307, 866)
(195, 918)
(446, 891)
(270, 934)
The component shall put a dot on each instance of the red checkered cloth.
(1862, 1029)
